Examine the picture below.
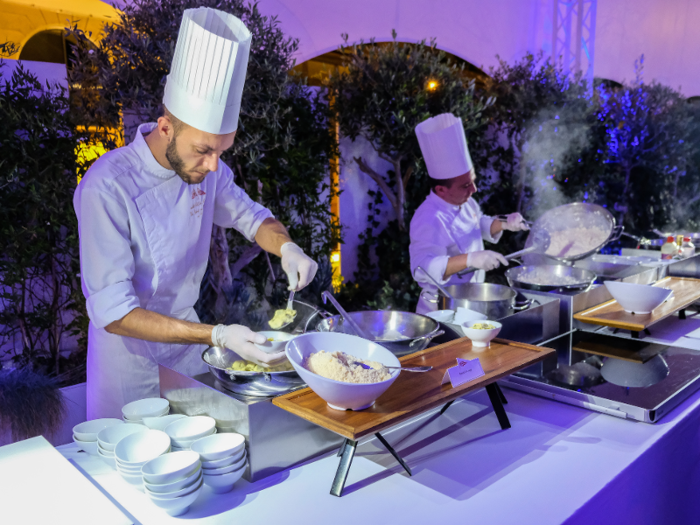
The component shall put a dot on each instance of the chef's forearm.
(272, 235)
(496, 227)
(152, 326)
(455, 264)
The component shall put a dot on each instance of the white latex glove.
(240, 339)
(515, 223)
(299, 267)
(486, 260)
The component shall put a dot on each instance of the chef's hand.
(515, 223)
(240, 339)
(486, 260)
(299, 267)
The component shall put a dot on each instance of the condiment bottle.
(679, 242)
(687, 248)
(669, 249)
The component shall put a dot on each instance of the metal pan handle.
(523, 306)
(616, 233)
(428, 337)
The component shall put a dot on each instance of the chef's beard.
(178, 165)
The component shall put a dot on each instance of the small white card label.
(464, 372)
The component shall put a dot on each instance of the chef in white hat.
(146, 212)
(448, 229)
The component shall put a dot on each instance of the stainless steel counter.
(275, 439)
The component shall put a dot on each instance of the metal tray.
(584, 278)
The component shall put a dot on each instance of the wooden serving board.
(414, 393)
(685, 292)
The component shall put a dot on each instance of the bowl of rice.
(331, 364)
(481, 333)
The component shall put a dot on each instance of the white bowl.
(88, 446)
(338, 394)
(464, 315)
(188, 429)
(223, 482)
(279, 340)
(159, 423)
(88, 430)
(193, 485)
(134, 470)
(107, 459)
(219, 446)
(110, 436)
(170, 467)
(175, 485)
(134, 479)
(108, 453)
(442, 316)
(224, 462)
(149, 407)
(177, 506)
(480, 338)
(634, 374)
(637, 298)
(138, 448)
(238, 465)
(187, 444)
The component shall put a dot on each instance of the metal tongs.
(540, 244)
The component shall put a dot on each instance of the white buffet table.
(557, 464)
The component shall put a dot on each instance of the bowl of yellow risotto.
(481, 333)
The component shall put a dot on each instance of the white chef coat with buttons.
(440, 230)
(144, 242)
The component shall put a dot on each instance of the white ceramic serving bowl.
(149, 407)
(159, 423)
(186, 445)
(279, 340)
(88, 430)
(140, 447)
(223, 482)
(219, 446)
(166, 488)
(188, 429)
(224, 462)
(110, 436)
(338, 394)
(134, 470)
(88, 446)
(481, 338)
(177, 506)
(637, 298)
(238, 465)
(442, 316)
(170, 467)
(133, 479)
(107, 458)
(196, 482)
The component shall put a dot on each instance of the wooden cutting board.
(414, 393)
(685, 292)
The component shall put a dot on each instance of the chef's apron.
(123, 369)
(467, 238)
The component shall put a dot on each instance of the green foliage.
(283, 145)
(40, 288)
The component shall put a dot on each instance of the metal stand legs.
(493, 391)
(347, 452)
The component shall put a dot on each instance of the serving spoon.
(403, 369)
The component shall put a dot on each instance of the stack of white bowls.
(135, 411)
(108, 438)
(159, 423)
(85, 434)
(134, 451)
(187, 430)
(223, 459)
(173, 481)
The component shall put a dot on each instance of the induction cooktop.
(627, 378)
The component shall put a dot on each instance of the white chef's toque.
(208, 71)
(444, 146)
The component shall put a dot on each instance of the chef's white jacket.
(144, 242)
(440, 230)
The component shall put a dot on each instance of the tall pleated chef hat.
(206, 78)
(444, 146)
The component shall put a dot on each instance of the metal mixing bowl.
(401, 333)
(258, 384)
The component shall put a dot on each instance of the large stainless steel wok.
(568, 217)
(258, 384)
(401, 333)
(550, 277)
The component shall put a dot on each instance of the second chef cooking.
(448, 229)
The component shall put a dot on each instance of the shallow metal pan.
(584, 279)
